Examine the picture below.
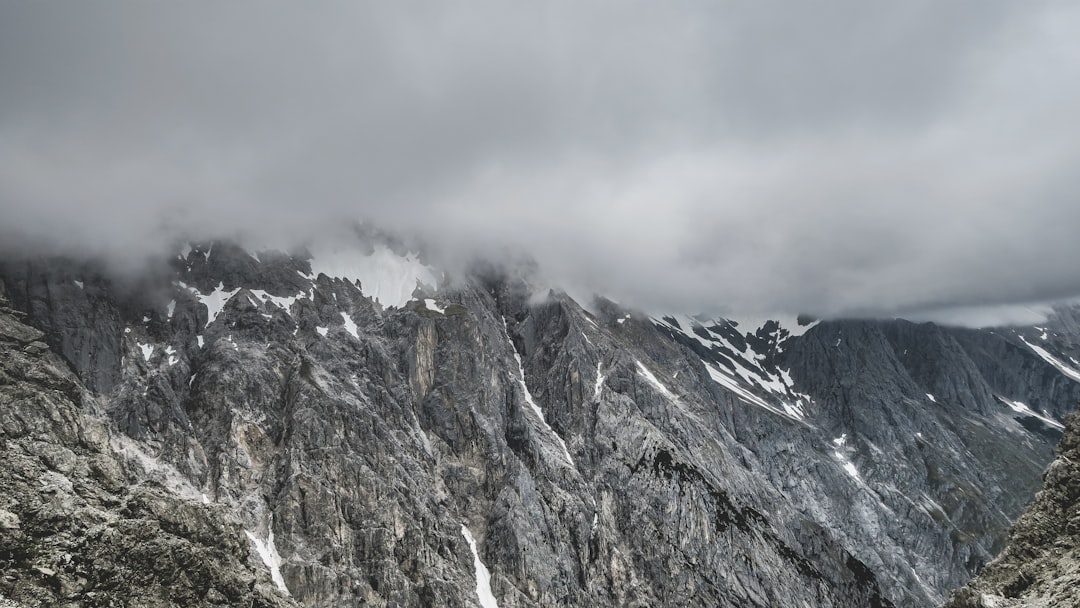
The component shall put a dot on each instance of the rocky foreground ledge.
(1040, 567)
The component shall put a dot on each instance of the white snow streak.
(1070, 372)
(350, 326)
(78, 284)
(431, 305)
(648, 375)
(147, 351)
(1022, 408)
(529, 398)
(483, 576)
(751, 323)
(322, 331)
(931, 397)
(746, 396)
(750, 371)
(850, 469)
(215, 300)
(599, 381)
(283, 302)
(846, 464)
(268, 552)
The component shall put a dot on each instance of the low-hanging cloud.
(846, 158)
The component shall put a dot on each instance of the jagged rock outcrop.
(356, 428)
(75, 529)
(1040, 566)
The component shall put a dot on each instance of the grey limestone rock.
(1040, 566)
(597, 458)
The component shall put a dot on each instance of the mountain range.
(353, 426)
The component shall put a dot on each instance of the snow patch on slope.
(269, 555)
(483, 576)
(651, 379)
(789, 323)
(283, 302)
(751, 376)
(214, 301)
(350, 325)
(431, 305)
(529, 398)
(1022, 408)
(1070, 372)
(747, 397)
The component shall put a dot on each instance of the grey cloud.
(847, 157)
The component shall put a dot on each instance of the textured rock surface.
(75, 530)
(1040, 567)
(602, 458)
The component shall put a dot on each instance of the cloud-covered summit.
(843, 157)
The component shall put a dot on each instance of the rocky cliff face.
(386, 446)
(76, 529)
(1040, 567)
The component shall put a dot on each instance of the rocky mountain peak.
(364, 432)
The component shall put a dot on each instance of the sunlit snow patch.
(350, 326)
(845, 464)
(651, 379)
(268, 552)
(147, 350)
(322, 331)
(1070, 372)
(385, 277)
(727, 349)
(431, 305)
(214, 301)
(1022, 408)
(283, 302)
(748, 397)
(78, 284)
(786, 322)
(850, 469)
(483, 576)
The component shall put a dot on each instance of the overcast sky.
(836, 157)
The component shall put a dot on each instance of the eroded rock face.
(596, 458)
(75, 530)
(1040, 566)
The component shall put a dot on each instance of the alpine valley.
(352, 426)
